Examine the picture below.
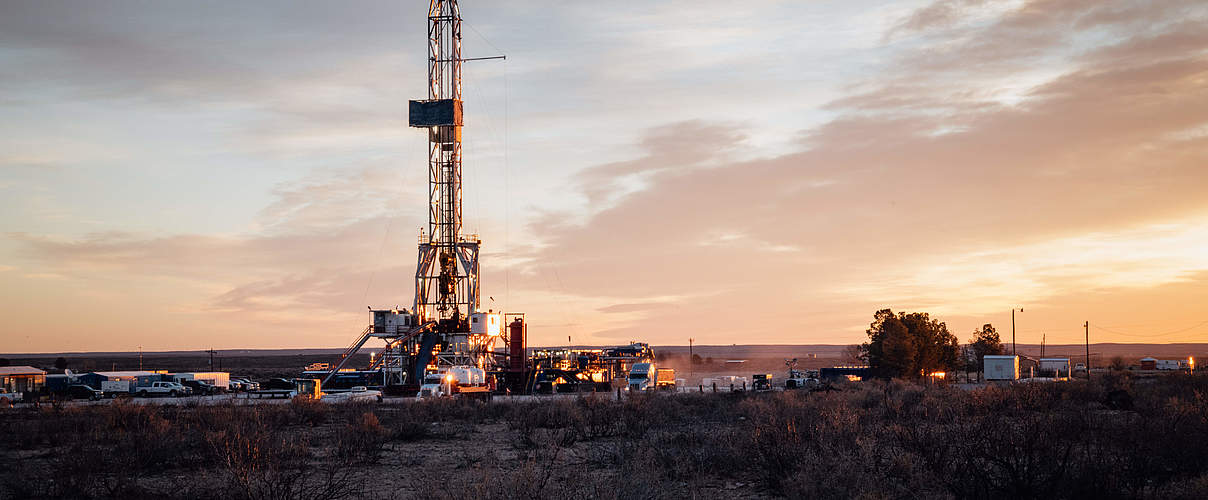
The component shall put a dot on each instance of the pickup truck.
(243, 384)
(170, 389)
(8, 398)
(81, 391)
(200, 387)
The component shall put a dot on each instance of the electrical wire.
(1150, 335)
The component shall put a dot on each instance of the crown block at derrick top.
(435, 113)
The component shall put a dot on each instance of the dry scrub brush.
(872, 440)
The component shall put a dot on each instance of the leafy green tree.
(985, 342)
(909, 345)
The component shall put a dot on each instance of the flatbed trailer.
(271, 393)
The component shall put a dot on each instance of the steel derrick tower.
(446, 274)
(444, 330)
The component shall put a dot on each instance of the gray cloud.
(877, 192)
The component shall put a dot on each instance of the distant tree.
(709, 360)
(1118, 363)
(61, 363)
(660, 357)
(985, 342)
(5, 362)
(852, 355)
(909, 345)
(696, 359)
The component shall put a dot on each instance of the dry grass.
(873, 440)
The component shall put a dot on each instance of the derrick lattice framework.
(446, 276)
(445, 328)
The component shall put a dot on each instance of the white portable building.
(219, 379)
(1059, 367)
(1001, 367)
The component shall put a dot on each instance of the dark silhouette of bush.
(875, 439)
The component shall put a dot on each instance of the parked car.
(81, 391)
(201, 388)
(280, 384)
(9, 398)
(243, 384)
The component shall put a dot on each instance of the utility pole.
(691, 360)
(1087, 326)
(140, 358)
(1013, 353)
(1043, 337)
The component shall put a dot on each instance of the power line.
(1152, 335)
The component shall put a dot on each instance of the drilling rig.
(444, 328)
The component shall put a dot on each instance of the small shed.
(22, 378)
(1001, 367)
(1149, 363)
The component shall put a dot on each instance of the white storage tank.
(467, 375)
(1001, 367)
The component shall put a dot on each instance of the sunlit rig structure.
(585, 370)
(445, 327)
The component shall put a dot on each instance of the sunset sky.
(187, 175)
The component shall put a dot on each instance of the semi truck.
(665, 379)
(802, 379)
(761, 381)
(642, 377)
(463, 381)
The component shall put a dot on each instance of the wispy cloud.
(961, 156)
